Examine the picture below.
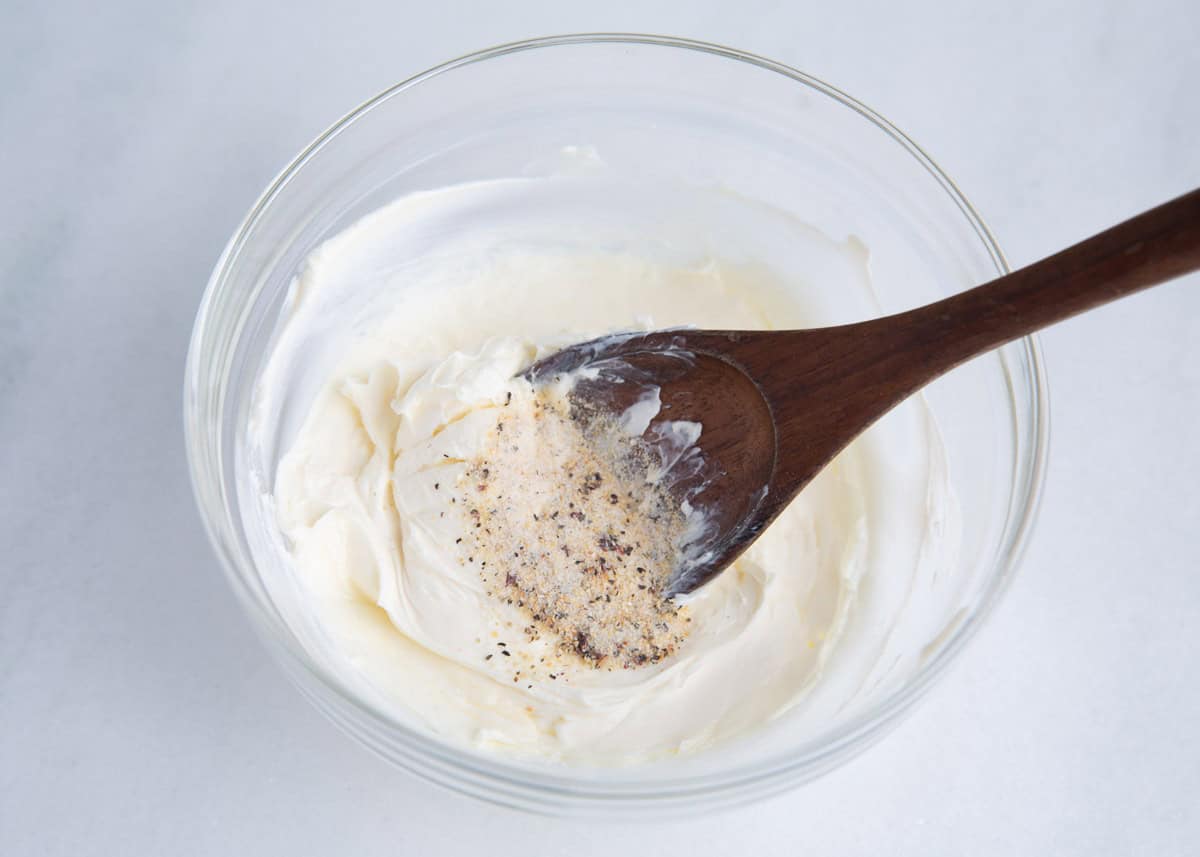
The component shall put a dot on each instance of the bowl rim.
(598, 785)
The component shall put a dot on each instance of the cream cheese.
(399, 365)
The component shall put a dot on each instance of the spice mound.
(566, 522)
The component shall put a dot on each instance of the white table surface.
(138, 714)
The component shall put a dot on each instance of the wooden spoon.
(775, 407)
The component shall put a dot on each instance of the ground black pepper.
(596, 582)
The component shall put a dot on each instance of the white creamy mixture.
(405, 360)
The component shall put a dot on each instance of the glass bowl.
(657, 109)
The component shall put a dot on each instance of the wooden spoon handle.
(1144, 251)
(853, 374)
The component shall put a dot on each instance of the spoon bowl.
(691, 379)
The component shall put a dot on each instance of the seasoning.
(574, 532)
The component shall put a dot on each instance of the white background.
(138, 714)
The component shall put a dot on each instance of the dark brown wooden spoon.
(775, 407)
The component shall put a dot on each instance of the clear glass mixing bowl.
(664, 110)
